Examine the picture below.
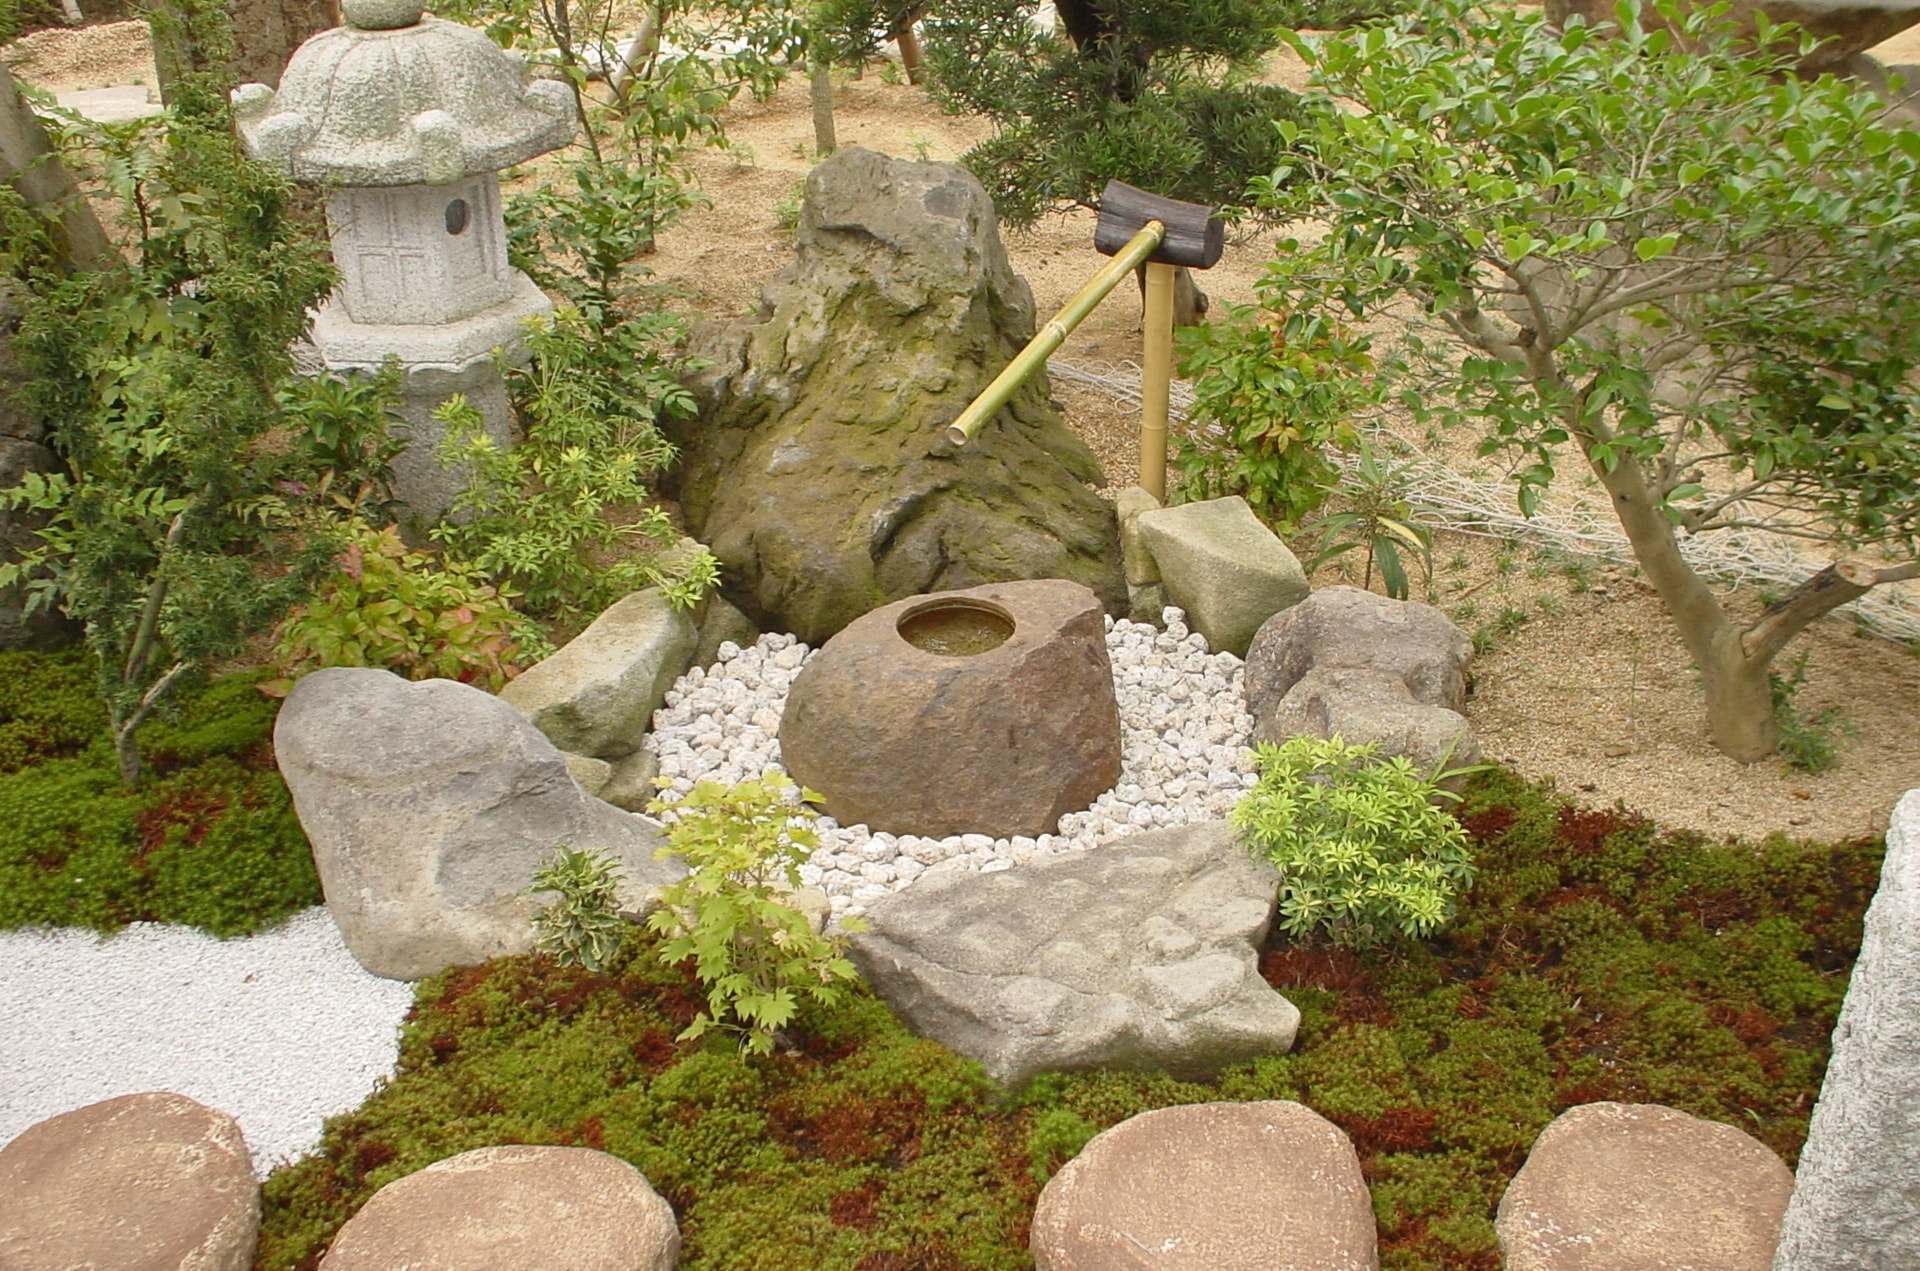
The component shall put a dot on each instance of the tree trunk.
(820, 90)
(29, 163)
(1739, 695)
(1739, 691)
(911, 59)
(260, 36)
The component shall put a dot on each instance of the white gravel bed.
(1184, 755)
(279, 1030)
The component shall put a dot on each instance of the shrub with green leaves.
(1364, 852)
(756, 954)
(565, 517)
(391, 607)
(1272, 396)
(582, 926)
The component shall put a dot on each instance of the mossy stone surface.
(817, 471)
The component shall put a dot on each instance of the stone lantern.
(407, 121)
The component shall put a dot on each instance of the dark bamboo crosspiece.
(1195, 236)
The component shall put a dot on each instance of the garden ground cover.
(1598, 958)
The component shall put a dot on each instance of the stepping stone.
(512, 1209)
(1640, 1187)
(142, 1182)
(1267, 1186)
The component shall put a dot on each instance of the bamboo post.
(1058, 328)
(1156, 379)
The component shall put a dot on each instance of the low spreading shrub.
(209, 840)
(1596, 958)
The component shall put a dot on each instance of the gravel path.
(280, 1030)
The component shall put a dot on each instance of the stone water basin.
(984, 711)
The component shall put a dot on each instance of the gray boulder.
(817, 471)
(1370, 669)
(1640, 1187)
(1269, 1186)
(1220, 564)
(597, 695)
(1858, 1189)
(429, 806)
(142, 1182)
(513, 1209)
(1364, 705)
(1138, 955)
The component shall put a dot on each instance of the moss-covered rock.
(816, 470)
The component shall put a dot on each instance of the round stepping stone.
(1267, 1186)
(1640, 1187)
(142, 1182)
(510, 1209)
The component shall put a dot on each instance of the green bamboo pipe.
(1058, 328)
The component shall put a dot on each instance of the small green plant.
(560, 515)
(919, 143)
(1271, 399)
(389, 606)
(1379, 519)
(1363, 850)
(755, 953)
(786, 213)
(1806, 738)
(582, 926)
(1490, 635)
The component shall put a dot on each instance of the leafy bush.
(1270, 399)
(753, 950)
(404, 611)
(1363, 850)
(582, 926)
(210, 841)
(541, 515)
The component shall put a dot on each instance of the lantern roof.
(395, 98)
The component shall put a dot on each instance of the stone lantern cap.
(394, 98)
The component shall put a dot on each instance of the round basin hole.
(956, 628)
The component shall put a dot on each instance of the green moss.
(209, 840)
(1595, 959)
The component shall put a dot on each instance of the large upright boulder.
(429, 806)
(1857, 1193)
(817, 471)
(1140, 954)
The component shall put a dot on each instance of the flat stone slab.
(1141, 954)
(143, 1182)
(1641, 1187)
(512, 1209)
(1269, 1186)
